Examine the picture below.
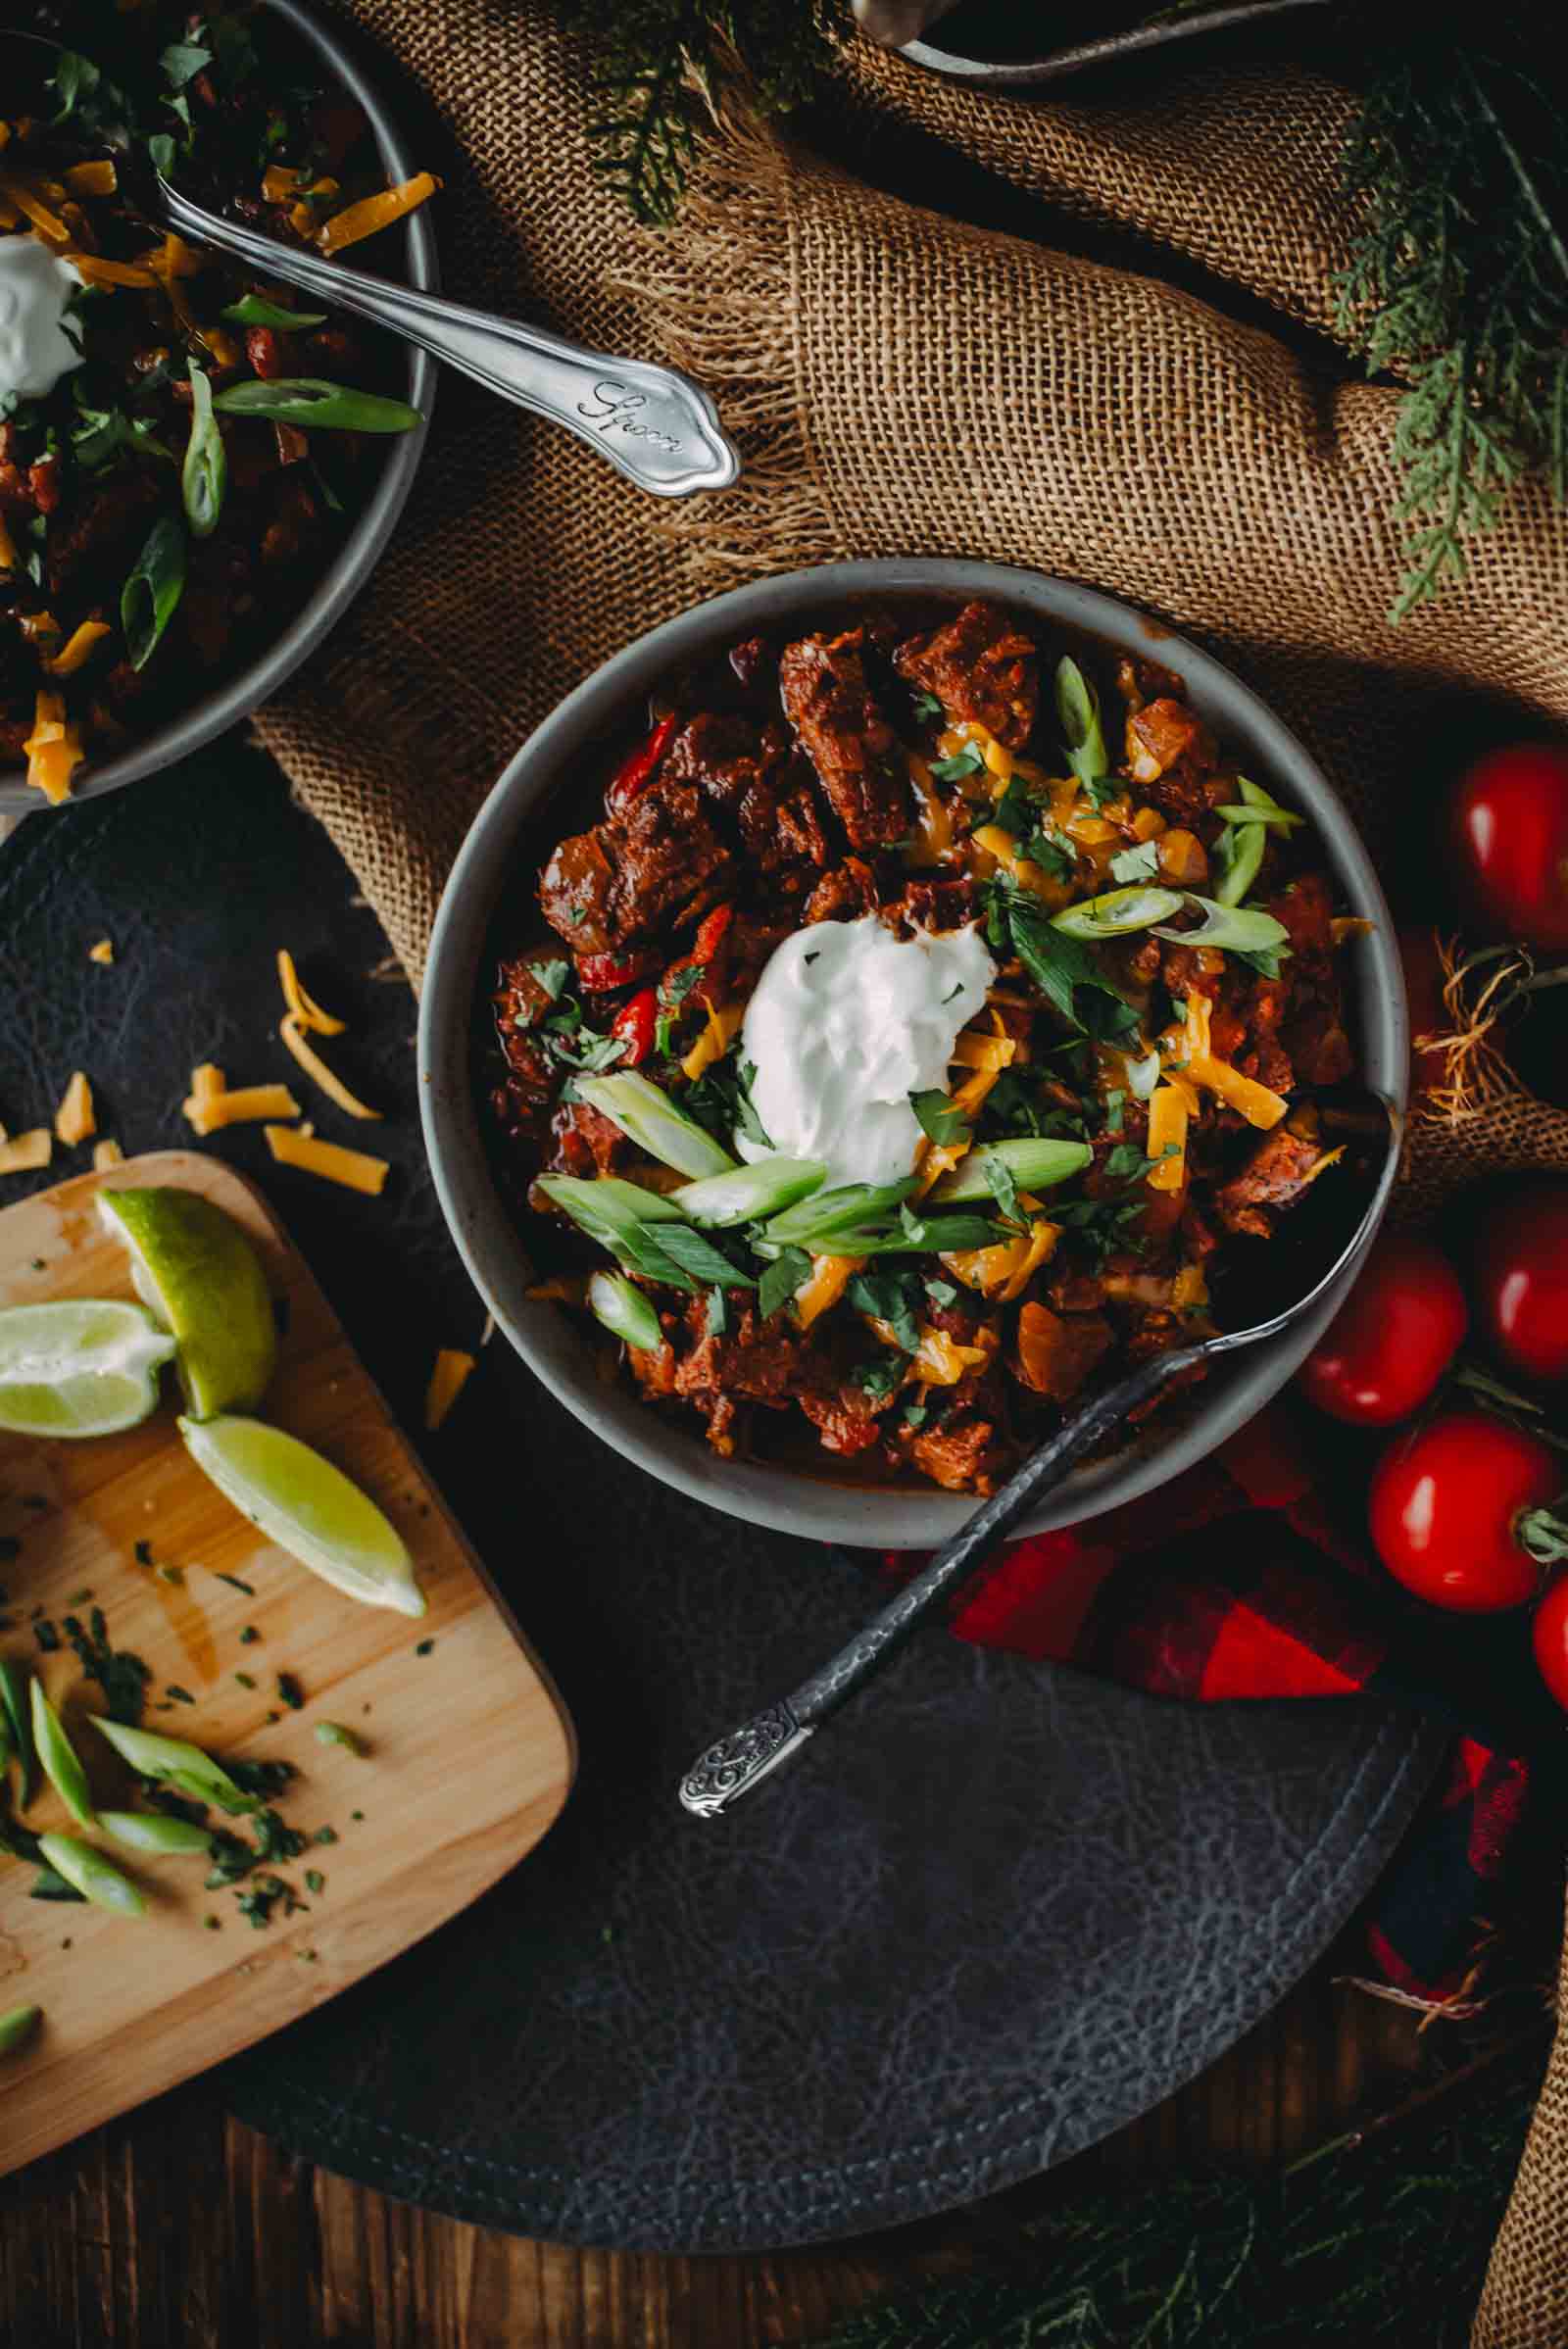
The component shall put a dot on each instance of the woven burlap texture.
(903, 383)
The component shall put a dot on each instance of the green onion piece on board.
(205, 473)
(254, 310)
(766, 1187)
(16, 2026)
(657, 1124)
(624, 1311)
(176, 1762)
(316, 405)
(156, 1833)
(61, 1765)
(96, 1878)
(1033, 1165)
(17, 1712)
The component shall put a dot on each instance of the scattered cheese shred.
(941, 1361)
(1167, 1131)
(934, 830)
(985, 1052)
(376, 212)
(304, 1008)
(208, 1112)
(103, 952)
(446, 1381)
(8, 548)
(715, 1039)
(207, 1081)
(50, 226)
(75, 1120)
(356, 1170)
(829, 1277)
(1258, 1104)
(100, 271)
(292, 1031)
(107, 1152)
(24, 1151)
(1006, 1269)
(97, 177)
(78, 648)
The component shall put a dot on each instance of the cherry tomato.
(1550, 1639)
(1394, 1336)
(1447, 1500)
(1507, 840)
(1423, 987)
(1521, 1276)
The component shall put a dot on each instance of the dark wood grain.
(179, 2229)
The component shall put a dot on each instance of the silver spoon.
(731, 1766)
(654, 424)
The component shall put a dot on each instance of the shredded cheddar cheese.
(75, 1120)
(307, 1012)
(829, 1277)
(21, 197)
(99, 272)
(244, 1106)
(207, 1081)
(1005, 1270)
(1167, 1131)
(8, 548)
(446, 1381)
(373, 212)
(354, 1170)
(25, 1152)
(995, 1052)
(106, 1153)
(94, 179)
(723, 1026)
(1256, 1103)
(934, 830)
(103, 952)
(53, 747)
(78, 648)
(292, 1031)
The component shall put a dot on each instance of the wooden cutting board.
(468, 1751)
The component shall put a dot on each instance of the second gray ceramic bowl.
(372, 526)
(460, 973)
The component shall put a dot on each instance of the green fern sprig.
(1458, 282)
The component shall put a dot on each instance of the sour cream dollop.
(846, 1023)
(35, 292)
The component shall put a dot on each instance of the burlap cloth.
(908, 383)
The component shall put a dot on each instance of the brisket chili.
(909, 763)
(92, 494)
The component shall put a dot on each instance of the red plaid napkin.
(1236, 1581)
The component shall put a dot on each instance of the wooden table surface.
(179, 2229)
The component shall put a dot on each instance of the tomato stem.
(1542, 1534)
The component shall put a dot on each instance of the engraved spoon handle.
(733, 1765)
(658, 428)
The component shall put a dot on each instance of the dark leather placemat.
(997, 1912)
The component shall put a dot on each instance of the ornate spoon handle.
(733, 1766)
(658, 428)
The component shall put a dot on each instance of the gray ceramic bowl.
(357, 558)
(461, 967)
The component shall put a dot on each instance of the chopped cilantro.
(1053, 853)
(879, 1378)
(966, 761)
(939, 1121)
(780, 1281)
(123, 1676)
(314, 1881)
(716, 1320)
(551, 976)
(890, 1297)
(915, 1415)
(249, 1636)
(180, 1694)
(423, 1647)
(1001, 1185)
(1140, 863)
(926, 704)
(236, 1583)
(1116, 1107)
(289, 1690)
(941, 1293)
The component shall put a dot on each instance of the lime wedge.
(308, 1507)
(194, 1266)
(88, 1366)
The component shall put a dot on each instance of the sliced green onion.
(205, 474)
(308, 401)
(14, 1699)
(1117, 912)
(1078, 711)
(1246, 928)
(16, 2026)
(1143, 1076)
(624, 1311)
(1258, 808)
(764, 1188)
(334, 1733)
(814, 1221)
(1033, 1164)
(61, 1765)
(254, 311)
(157, 1832)
(657, 1124)
(932, 1235)
(1239, 853)
(176, 1762)
(150, 597)
(609, 1211)
(96, 1878)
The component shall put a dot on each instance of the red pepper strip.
(637, 771)
(634, 1023)
(710, 930)
(601, 974)
(707, 988)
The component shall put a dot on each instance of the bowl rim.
(351, 567)
(482, 1228)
